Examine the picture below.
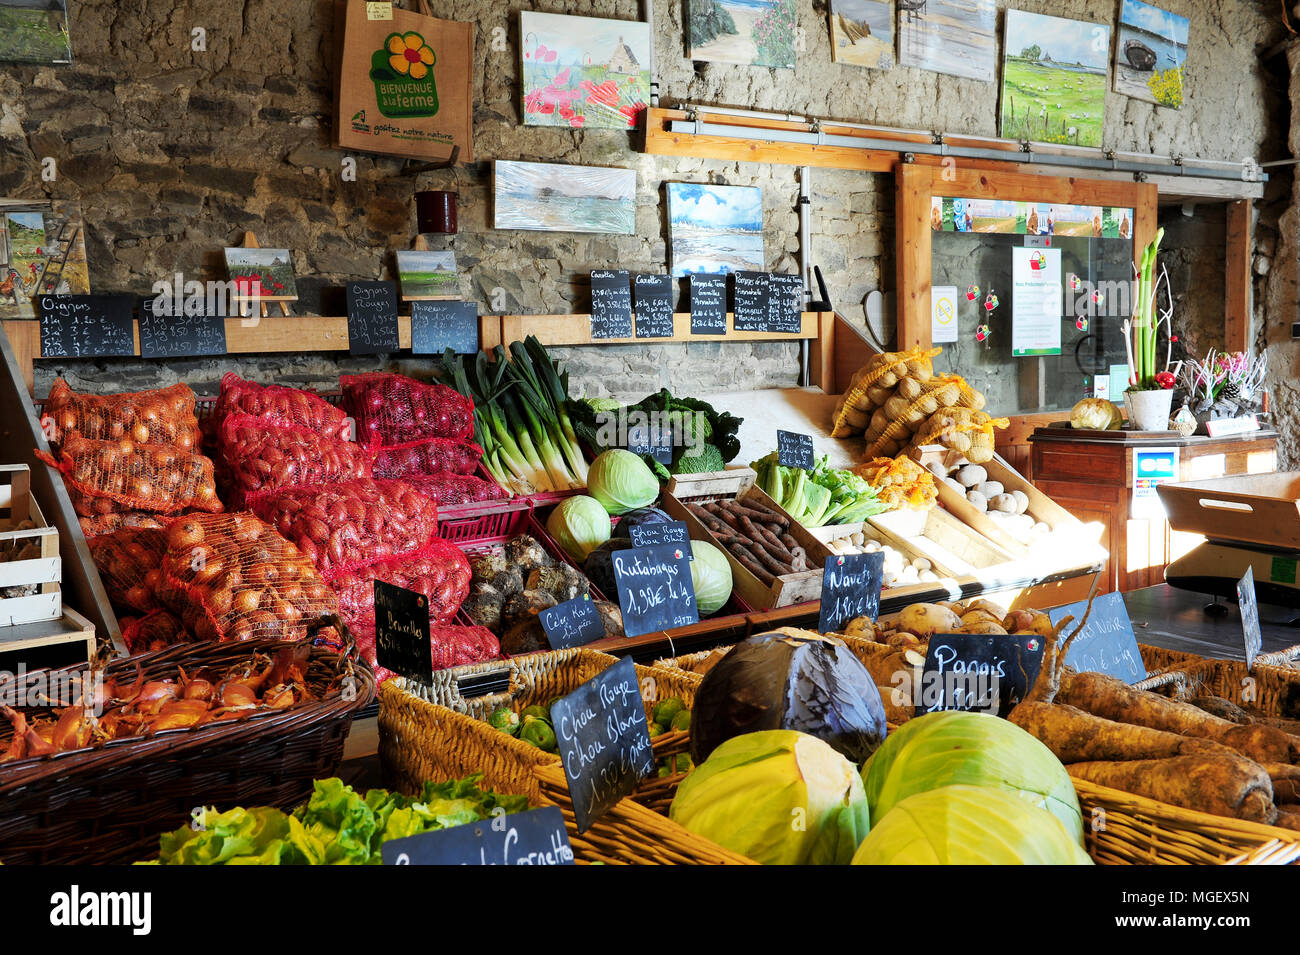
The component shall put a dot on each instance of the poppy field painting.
(584, 72)
(265, 274)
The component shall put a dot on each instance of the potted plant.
(1149, 397)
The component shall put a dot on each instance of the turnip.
(925, 620)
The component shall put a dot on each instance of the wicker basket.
(435, 732)
(1274, 690)
(109, 803)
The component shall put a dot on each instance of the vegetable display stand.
(440, 730)
(738, 484)
(953, 549)
(107, 804)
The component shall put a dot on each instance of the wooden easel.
(250, 242)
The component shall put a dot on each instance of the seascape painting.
(34, 31)
(584, 72)
(715, 229)
(749, 32)
(957, 37)
(1054, 79)
(1149, 54)
(427, 274)
(42, 252)
(555, 197)
(862, 33)
(265, 274)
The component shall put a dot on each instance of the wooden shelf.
(576, 330)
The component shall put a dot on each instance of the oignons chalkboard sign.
(87, 326)
(372, 318)
(175, 331)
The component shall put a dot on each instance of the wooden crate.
(1067, 531)
(1255, 508)
(48, 643)
(17, 505)
(740, 483)
(953, 548)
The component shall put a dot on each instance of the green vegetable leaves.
(824, 495)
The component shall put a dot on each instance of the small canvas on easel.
(427, 275)
(264, 275)
(42, 252)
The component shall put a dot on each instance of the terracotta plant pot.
(1149, 410)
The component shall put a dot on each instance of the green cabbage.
(977, 749)
(579, 524)
(968, 825)
(778, 797)
(621, 481)
(710, 576)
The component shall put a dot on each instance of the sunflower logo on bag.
(403, 76)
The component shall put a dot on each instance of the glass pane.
(1094, 299)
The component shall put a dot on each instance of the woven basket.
(1275, 690)
(109, 803)
(435, 732)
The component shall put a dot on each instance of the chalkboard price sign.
(185, 332)
(611, 303)
(438, 325)
(988, 673)
(794, 450)
(650, 439)
(86, 326)
(1107, 644)
(402, 631)
(372, 318)
(1249, 616)
(850, 588)
(751, 292)
(604, 741)
(653, 295)
(573, 623)
(535, 837)
(663, 532)
(655, 591)
(708, 304)
(785, 303)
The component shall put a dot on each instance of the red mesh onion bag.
(129, 561)
(450, 646)
(343, 526)
(163, 416)
(439, 570)
(446, 489)
(282, 406)
(257, 457)
(393, 409)
(231, 577)
(107, 476)
(156, 630)
(107, 523)
(426, 457)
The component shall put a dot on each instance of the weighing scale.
(1248, 520)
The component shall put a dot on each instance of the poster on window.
(1036, 302)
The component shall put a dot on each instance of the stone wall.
(173, 153)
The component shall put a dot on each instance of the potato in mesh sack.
(451, 645)
(439, 570)
(256, 459)
(426, 457)
(281, 406)
(901, 482)
(129, 561)
(874, 383)
(345, 525)
(232, 577)
(107, 476)
(163, 416)
(392, 409)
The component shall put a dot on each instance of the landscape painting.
(862, 33)
(584, 72)
(558, 198)
(427, 274)
(34, 31)
(1149, 54)
(751, 32)
(957, 37)
(715, 229)
(42, 252)
(265, 274)
(1054, 79)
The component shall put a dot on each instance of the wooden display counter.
(1094, 479)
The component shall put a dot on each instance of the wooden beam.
(1237, 283)
(912, 236)
(821, 361)
(1146, 214)
(24, 335)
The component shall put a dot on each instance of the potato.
(937, 469)
(1003, 502)
(990, 489)
(1022, 501)
(977, 501)
(927, 619)
(988, 606)
(956, 486)
(972, 475)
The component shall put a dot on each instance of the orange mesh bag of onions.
(428, 456)
(439, 570)
(164, 416)
(107, 476)
(231, 577)
(344, 526)
(257, 457)
(393, 409)
(281, 406)
(107, 523)
(154, 631)
(129, 561)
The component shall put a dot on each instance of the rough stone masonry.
(174, 152)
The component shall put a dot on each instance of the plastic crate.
(482, 521)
